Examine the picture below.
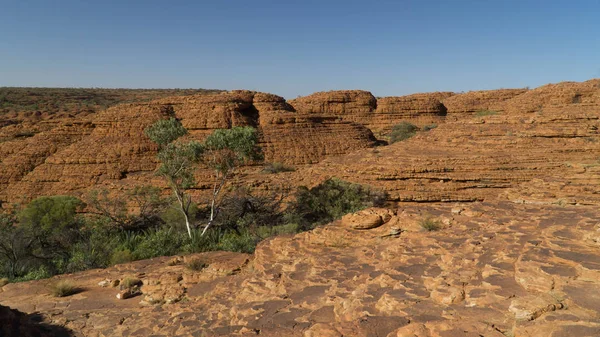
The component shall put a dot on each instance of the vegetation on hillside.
(76, 100)
(403, 131)
(51, 236)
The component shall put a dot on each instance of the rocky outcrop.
(109, 150)
(558, 96)
(483, 100)
(418, 109)
(344, 103)
(549, 157)
(494, 269)
(379, 115)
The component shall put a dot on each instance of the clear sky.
(296, 47)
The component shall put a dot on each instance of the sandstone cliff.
(515, 195)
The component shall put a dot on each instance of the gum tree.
(225, 150)
(222, 152)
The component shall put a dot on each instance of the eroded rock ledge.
(492, 269)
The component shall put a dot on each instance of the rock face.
(484, 100)
(496, 269)
(17, 324)
(558, 96)
(379, 115)
(466, 158)
(548, 157)
(110, 150)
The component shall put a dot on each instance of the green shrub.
(402, 132)
(172, 216)
(277, 167)
(63, 288)
(331, 200)
(54, 227)
(159, 242)
(482, 113)
(121, 256)
(48, 237)
(430, 224)
(243, 242)
(264, 232)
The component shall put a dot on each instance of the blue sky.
(293, 48)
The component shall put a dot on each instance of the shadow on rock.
(14, 323)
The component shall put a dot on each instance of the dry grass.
(63, 288)
(130, 282)
(197, 265)
(3, 282)
(430, 224)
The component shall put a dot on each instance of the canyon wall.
(468, 157)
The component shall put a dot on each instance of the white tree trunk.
(187, 223)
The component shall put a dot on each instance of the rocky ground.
(501, 269)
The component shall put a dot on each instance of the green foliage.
(49, 227)
(48, 237)
(158, 242)
(223, 151)
(227, 149)
(331, 200)
(277, 167)
(35, 273)
(121, 256)
(243, 242)
(165, 131)
(172, 216)
(179, 162)
(49, 215)
(482, 113)
(402, 132)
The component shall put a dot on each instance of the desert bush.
(48, 237)
(94, 249)
(197, 264)
(121, 256)
(277, 167)
(172, 216)
(243, 242)
(402, 131)
(63, 288)
(482, 113)
(147, 200)
(130, 282)
(247, 209)
(331, 200)
(429, 224)
(158, 242)
(53, 224)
